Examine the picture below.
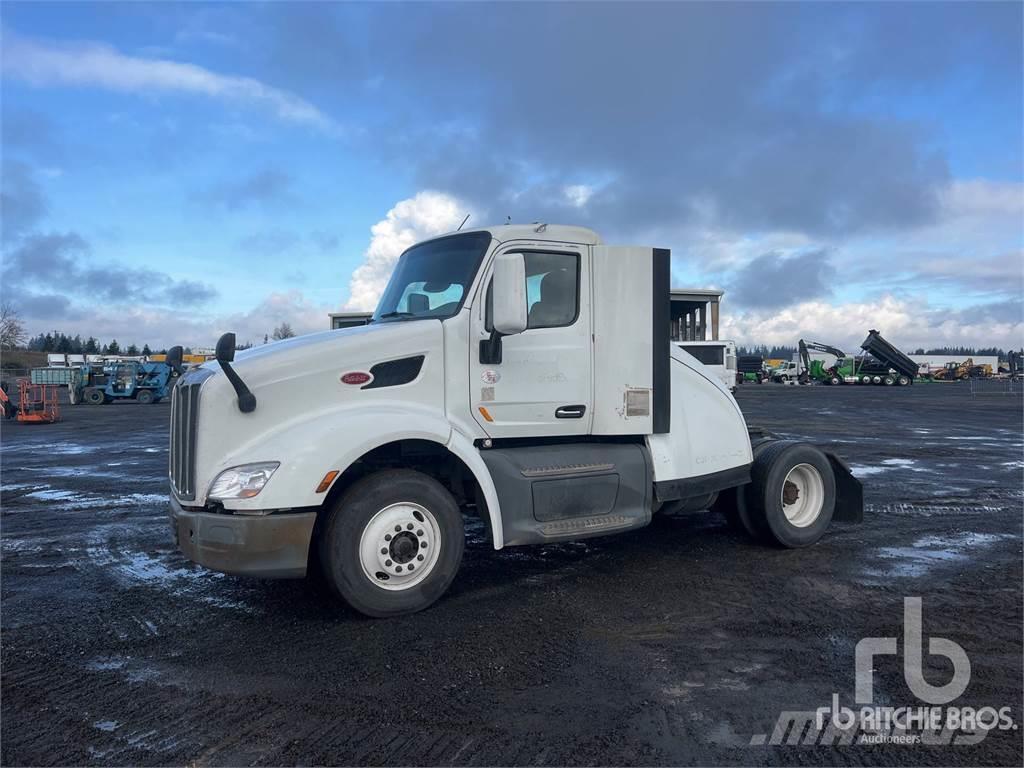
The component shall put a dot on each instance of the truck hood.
(299, 380)
(336, 351)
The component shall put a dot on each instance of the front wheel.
(393, 543)
(145, 396)
(792, 494)
(94, 396)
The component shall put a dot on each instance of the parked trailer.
(74, 377)
(545, 410)
(901, 369)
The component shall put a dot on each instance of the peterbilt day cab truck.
(502, 375)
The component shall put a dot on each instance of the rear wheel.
(145, 396)
(94, 396)
(393, 543)
(792, 493)
(889, 381)
(903, 381)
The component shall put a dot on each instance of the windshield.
(431, 280)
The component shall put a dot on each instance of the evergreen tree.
(146, 350)
(132, 351)
(113, 348)
(92, 347)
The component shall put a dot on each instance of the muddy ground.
(672, 645)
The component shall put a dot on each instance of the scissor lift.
(37, 403)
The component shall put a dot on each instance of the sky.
(174, 171)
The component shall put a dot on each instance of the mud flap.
(849, 492)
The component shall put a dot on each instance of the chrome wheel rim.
(399, 546)
(803, 495)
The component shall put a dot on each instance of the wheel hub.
(399, 546)
(803, 495)
(404, 547)
(790, 493)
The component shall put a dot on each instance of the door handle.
(570, 412)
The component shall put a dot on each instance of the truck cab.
(523, 374)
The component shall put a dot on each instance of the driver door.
(542, 387)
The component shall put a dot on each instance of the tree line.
(76, 345)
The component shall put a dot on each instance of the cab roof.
(561, 233)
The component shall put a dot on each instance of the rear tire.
(889, 381)
(792, 494)
(145, 397)
(94, 396)
(903, 381)
(380, 531)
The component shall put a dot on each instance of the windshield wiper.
(396, 314)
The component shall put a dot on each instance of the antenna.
(463, 222)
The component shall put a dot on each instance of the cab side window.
(552, 290)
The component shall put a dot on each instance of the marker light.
(326, 482)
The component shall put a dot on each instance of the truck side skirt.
(570, 491)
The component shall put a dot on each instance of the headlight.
(242, 482)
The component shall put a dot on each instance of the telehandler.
(501, 375)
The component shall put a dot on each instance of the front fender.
(311, 447)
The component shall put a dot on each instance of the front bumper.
(274, 546)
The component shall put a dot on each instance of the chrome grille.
(184, 422)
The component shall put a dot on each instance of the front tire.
(94, 396)
(392, 543)
(792, 494)
(145, 397)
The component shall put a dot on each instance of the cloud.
(426, 215)
(37, 260)
(22, 203)
(772, 280)
(764, 113)
(261, 187)
(101, 66)
(162, 327)
(908, 323)
(30, 133)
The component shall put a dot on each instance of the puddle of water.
(104, 663)
(52, 494)
(928, 552)
(861, 470)
(106, 725)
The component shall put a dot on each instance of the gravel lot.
(671, 645)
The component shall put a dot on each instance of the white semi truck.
(521, 373)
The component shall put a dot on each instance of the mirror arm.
(225, 356)
(246, 399)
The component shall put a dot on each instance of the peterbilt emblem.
(490, 377)
(356, 377)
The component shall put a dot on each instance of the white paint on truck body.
(312, 423)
